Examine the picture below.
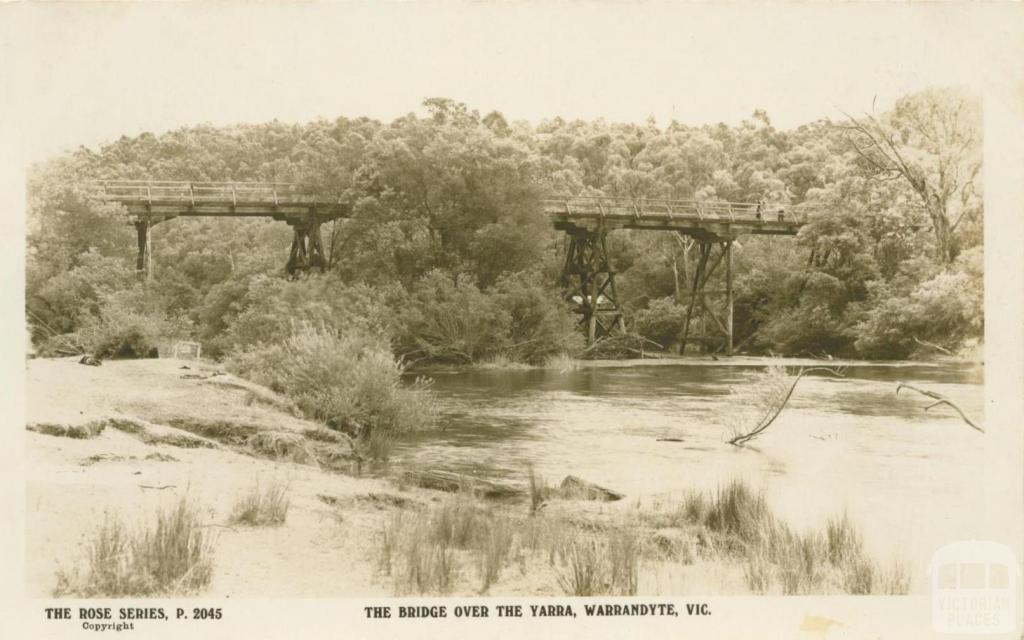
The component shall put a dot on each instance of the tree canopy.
(449, 256)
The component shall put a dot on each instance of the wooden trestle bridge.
(587, 276)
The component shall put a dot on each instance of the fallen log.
(579, 489)
(452, 482)
(939, 399)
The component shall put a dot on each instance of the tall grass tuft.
(459, 522)
(738, 511)
(758, 572)
(896, 580)
(602, 563)
(859, 575)
(800, 560)
(260, 507)
(173, 555)
(844, 542)
(539, 491)
(739, 522)
(584, 572)
(417, 560)
(624, 557)
(494, 546)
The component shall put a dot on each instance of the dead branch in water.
(939, 399)
(925, 343)
(611, 346)
(774, 411)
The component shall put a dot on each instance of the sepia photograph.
(613, 308)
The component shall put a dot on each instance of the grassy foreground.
(464, 542)
(147, 479)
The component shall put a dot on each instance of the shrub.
(812, 328)
(172, 556)
(540, 323)
(448, 319)
(120, 332)
(947, 309)
(264, 309)
(662, 322)
(64, 302)
(342, 379)
(129, 324)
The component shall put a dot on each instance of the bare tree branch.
(773, 412)
(940, 399)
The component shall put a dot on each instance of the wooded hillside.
(448, 257)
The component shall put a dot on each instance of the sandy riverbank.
(130, 437)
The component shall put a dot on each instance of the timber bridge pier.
(587, 276)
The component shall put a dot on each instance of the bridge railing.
(663, 209)
(197, 193)
(284, 193)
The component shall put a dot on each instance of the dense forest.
(448, 259)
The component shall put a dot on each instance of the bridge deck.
(159, 200)
(700, 219)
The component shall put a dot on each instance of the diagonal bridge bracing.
(711, 227)
(588, 279)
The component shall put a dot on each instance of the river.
(912, 480)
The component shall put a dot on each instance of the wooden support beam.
(704, 249)
(307, 251)
(728, 298)
(144, 261)
(699, 312)
(591, 303)
(298, 258)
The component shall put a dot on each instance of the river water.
(912, 480)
